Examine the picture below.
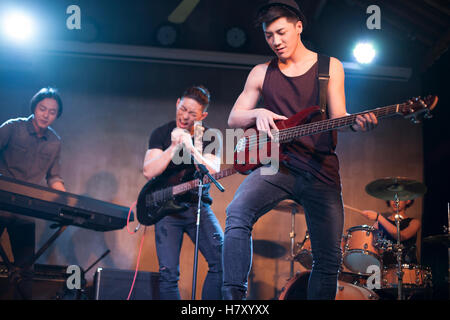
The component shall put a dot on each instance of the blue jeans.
(324, 215)
(169, 237)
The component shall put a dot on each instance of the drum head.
(359, 261)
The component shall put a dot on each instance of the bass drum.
(296, 288)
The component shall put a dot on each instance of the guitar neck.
(186, 186)
(288, 134)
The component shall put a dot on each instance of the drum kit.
(362, 275)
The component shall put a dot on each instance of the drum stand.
(398, 251)
(292, 237)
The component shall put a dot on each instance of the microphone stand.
(201, 172)
(399, 252)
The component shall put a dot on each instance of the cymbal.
(439, 239)
(404, 188)
(268, 249)
(288, 205)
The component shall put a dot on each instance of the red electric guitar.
(253, 149)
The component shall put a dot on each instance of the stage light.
(236, 37)
(17, 26)
(364, 53)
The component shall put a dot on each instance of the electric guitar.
(254, 149)
(159, 197)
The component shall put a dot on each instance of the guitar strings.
(324, 124)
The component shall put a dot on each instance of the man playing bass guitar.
(288, 84)
(165, 146)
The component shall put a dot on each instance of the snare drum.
(304, 252)
(414, 276)
(361, 250)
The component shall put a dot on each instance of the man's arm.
(244, 114)
(5, 134)
(157, 160)
(336, 99)
(54, 179)
(405, 234)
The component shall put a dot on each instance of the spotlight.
(364, 52)
(236, 37)
(17, 26)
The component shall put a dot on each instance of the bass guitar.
(254, 148)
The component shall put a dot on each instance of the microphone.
(198, 136)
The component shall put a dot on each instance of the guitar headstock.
(418, 107)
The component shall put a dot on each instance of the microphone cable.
(140, 248)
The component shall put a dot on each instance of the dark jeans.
(169, 236)
(324, 213)
(21, 231)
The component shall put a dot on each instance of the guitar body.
(155, 201)
(254, 151)
(162, 195)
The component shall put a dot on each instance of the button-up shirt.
(25, 156)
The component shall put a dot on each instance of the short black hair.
(199, 94)
(48, 92)
(269, 14)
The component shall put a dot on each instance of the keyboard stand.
(17, 274)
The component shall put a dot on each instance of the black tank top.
(287, 96)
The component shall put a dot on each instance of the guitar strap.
(323, 77)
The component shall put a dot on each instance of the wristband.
(351, 128)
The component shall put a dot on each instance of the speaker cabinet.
(115, 284)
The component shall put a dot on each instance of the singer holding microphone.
(168, 145)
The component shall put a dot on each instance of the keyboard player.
(30, 151)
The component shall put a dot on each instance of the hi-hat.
(287, 206)
(403, 188)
